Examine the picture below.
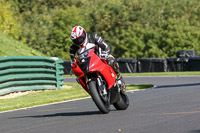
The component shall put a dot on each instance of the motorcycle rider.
(80, 41)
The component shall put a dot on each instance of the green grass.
(51, 96)
(11, 47)
(138, 86)
(192, 73)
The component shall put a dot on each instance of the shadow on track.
(177, 85)
(194, 131)
(63, 114)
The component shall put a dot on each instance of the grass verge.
(69, 92)
(13, 47)
(191, 73)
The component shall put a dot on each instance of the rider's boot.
(121, 82)
(119, 78)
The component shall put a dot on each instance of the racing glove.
(104, 55)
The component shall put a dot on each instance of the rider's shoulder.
(93, 36)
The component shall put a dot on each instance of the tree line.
(133, 28)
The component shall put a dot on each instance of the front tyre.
(104, 107)
(123, 102)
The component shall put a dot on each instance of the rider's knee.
(113, 63)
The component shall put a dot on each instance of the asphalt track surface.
(173, 106)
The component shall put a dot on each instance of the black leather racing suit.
(105, 48)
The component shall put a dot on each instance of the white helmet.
(78, 35)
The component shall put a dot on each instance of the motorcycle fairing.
(77, 71)
(85, 65)
(80, 76)
(94, 64)
(106, 71)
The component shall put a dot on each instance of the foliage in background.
(134, 28)
(8, 21)
(63, 21)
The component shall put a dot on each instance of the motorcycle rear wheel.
(123, 102)
(102, 106)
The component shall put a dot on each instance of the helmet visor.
(80, 40)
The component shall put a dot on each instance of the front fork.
(101, 86)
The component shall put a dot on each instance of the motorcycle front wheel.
(103, 106)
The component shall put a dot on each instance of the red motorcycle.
(99, 80)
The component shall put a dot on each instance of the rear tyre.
(123, 102)
(104, 107)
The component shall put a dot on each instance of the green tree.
(63, 21)
(133, 28)
(8, 21)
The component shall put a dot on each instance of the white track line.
(45, 105)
